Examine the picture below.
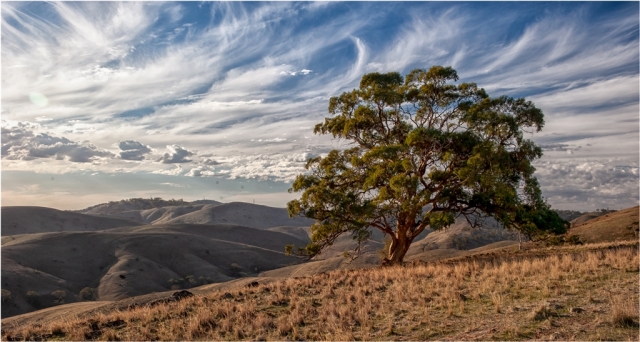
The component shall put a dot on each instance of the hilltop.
(159, 211)
(608, 226)
(138, 204)
(29, 220)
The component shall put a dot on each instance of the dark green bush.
(88, 293)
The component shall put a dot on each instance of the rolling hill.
(244, 214)
(588, 216)
(137, 260)
(28, 220)
(198, 212)
(613, 226)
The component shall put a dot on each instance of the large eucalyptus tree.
(423, 150)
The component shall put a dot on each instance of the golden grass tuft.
(624, 313)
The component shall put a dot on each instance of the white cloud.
(270, 140)
(176, 171)
(133, 150)
(21, 142)
(176, 154)
(283, 168)
(614, 91)
(209, 161)
(581, 183)
(426, 39)
(201, 171)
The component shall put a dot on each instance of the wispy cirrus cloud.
(244, 83)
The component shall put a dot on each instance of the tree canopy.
(423, 150)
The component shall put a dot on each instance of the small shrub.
(88, 293)
(555, 240)
(177, 284)
(6, 296)
(574, 240)
(190, 279)
(59, 296)
(288, 249)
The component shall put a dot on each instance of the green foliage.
(559, 240)
(574, 240)
(59, 296)
(6, 296)
(88, 293)
(555, 240)
(425, 150)
(189, 281)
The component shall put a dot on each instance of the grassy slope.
(587, 292)
(30, 220)
(616, 226)
(125, 262)
(208, 212)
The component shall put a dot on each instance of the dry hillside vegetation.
(198, 212)
(587, 292)
(613, 226)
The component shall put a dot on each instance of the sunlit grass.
(582, 293)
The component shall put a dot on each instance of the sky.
(103, 101)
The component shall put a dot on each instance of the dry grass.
(619, 225)
(623, 312)
(583, 293)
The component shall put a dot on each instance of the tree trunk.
(398, 250)
(519, 241)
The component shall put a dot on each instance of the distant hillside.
(138, 204)
(569, 215)
(124, 262)
(589, 216)
(613, 226)
(462, 236)
(244, 214)
(27, 220)
(158, 211)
